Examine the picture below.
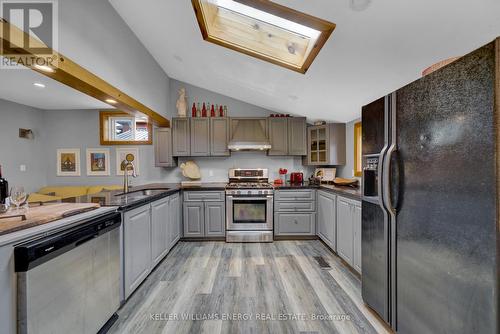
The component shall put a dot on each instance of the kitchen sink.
(144, 192)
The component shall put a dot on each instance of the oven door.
(247, 213)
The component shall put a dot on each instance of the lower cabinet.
(349, 231)
(298, 224)
(295, 212)
(149, 232)
(326, 218)
(204, 217)
(137, 247)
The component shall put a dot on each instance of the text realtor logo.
(38, 20)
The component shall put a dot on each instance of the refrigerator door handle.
(386, 179)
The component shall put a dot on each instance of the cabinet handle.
(295, 221)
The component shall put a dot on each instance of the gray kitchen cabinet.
(349, 231)
(326, 145)
(357, 236)
(326, 218)
(288, 135)
(204, 214)
(278, 135)
(137, 250)
(298, 224)
(181, 139)
(219, 137)
(200, 137)
(345, 230)
(215, 219)
(175, 219)
(160, 234)
(194, 222)
(297, 136)
(295, 212)
(163, 148)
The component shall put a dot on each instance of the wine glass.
(17, 196)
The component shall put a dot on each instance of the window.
(264, 30)
(357, 149)
(118, 128)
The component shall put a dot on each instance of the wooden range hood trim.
(75, 76)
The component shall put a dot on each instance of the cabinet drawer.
(295, 223)
(203, 196)
(295, 206)
(294, 195)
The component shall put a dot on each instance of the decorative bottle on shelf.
(198, 110)
(193, 110)
(4, 188)
(221, 111)
(204, 110)
(212, 111)
(225, 111)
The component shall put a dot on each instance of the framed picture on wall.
(68, 162)
(98, 162)
(121, 155)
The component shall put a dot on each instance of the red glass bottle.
(193, 111)
(221, 111)
(204, 110)
(212, 111)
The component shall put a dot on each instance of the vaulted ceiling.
(378, 46)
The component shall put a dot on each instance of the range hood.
(249, 134)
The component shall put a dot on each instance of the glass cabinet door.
(318, 145)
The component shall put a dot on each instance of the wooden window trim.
(357, 153)
(104, 125)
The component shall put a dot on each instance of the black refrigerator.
(430, 211)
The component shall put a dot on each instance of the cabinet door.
(200, 137)
(302, 224)
(326, 222)
(278, 136)
(219, 136)
(137, 247)
(344, 230)
(160, 235)
(180, 137)
(163, 148)
(194, 219)
(297, 136)
(175, 221)
(215, 218)
(356, 220)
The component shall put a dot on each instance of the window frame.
(105, 117)
(358, 138)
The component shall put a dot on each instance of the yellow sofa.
(57, 193)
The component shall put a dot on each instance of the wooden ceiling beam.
(75, 76)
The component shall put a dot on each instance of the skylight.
(264, 30)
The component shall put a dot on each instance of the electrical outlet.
(210, 173)
(22, 168)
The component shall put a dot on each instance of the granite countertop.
(347, 191)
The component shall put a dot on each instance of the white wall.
(15, 151)
(92, 34)
(347, 171)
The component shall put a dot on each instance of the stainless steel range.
(249, 206)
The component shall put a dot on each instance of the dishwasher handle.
(36, 252)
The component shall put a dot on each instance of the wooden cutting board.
(41, 215)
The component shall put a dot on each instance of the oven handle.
(250, 198)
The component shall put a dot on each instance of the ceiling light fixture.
(39, 85)
(259, 28)
(45, 68)
(111, 101)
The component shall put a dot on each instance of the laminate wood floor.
(280, 287)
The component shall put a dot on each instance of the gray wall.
(93, 34)
(15, 151)
(347, 171)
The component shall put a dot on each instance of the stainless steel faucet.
(126, 166)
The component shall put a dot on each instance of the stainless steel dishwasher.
(69, 282)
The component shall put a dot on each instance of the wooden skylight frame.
(276, 34)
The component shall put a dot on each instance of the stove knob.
(238, 192)
(249, 192)
(260, 192)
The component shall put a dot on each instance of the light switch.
(22, 168)
(210, 173)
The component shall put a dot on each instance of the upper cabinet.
(326, 145)
(287, 135)
(200, 137)
(163, 148)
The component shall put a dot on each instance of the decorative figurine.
(182, 103)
